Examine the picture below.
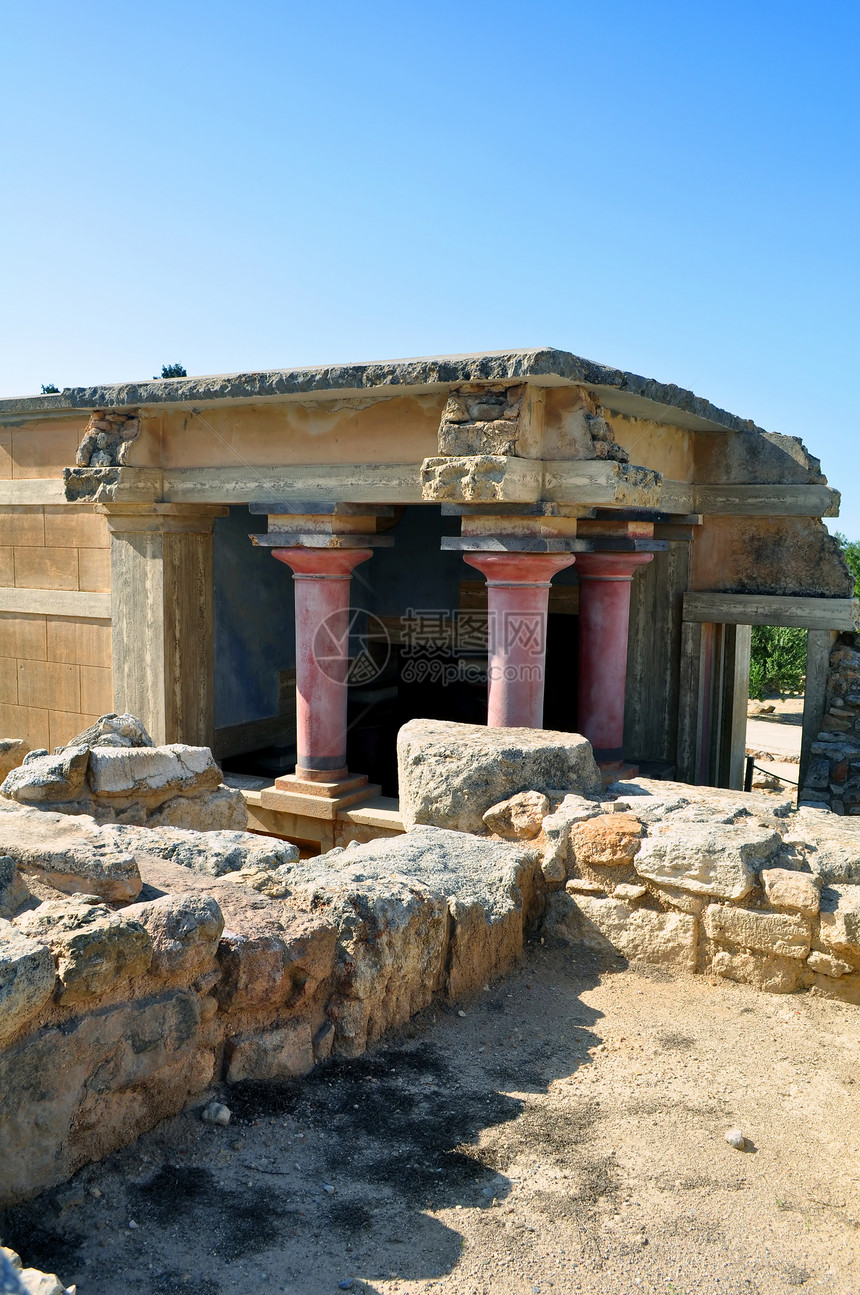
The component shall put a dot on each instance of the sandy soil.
(774, 738)
(565, 1135)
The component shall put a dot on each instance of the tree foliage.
(851, 554)
(48, 389)
(777, 660)
(172, 371)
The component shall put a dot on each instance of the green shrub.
(777, 660)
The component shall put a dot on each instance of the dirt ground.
(565, 1134)
(773, 736)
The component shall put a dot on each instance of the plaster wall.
(771, 555)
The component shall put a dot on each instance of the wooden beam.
(372, 483)
(767, 500)
(771, 609)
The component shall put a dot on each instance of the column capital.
(321, 564)
(139, 518)
(529, 569)
(610, 565)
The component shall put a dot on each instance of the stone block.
(12, 752)
(13, 890)
(557, 828)
(609, 841)
(520, 818)
(215, 854)
(791, 892)
(221, 810)
(147, 772)
(283, 1053)
(774, 975)
(95, 948)
(27, 979)
(719, 859)
(68, 852)
(639, 934)
(451, 774)
(75, 1094)
(184, 930)
(840, 922)
(825, 964)
(48, 778)
(787, 935)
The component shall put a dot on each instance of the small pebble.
(95, 1193)
(346, 1286)
(327, 1187)
(461, 1013)
(131, 1223)
(735, 1138)
(216, 1113)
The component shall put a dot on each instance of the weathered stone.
(95, 948)
(76, 1093)
(828, 845)
(113, 730)
(221, 810)
(160, 771)
(773, 974)
(13, 890)
(840, 922)
(283, 1053)
(27, 979)
(584, 886)
(557, 828)
(451, 774)
(640, 934)
(791, 892)
(12, 752)
(787, 935)
(719, 860)
(610, 841)
(520, 818)
(212, 853)
(629, 892)
(48, 778)
(31, 1281)
(67, 852)
(184, 930)
(826, 965)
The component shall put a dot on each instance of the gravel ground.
(563, 1132)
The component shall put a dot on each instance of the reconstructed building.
(288, 565)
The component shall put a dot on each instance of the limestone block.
(829, 845)
(479, 478)
(773, 974)
(12, 752)
(557, 828)
(13, 890)
(520, 818)
(719, 859)
(273, 967)
(49, 778)
(184, 930)
(76, 1093)
(94, 947)
(451, 774)
(113, 730)
(840, 922)
(69, 853)
(27, 979)
(160, 771)
(284, 1053)
(825, 964)
(31, 1281)
(221, 810)
(787, 935)
(791, 892)
(213, 853)
(609, 841)
(640, 934)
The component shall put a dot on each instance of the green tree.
(172, 371)
(851, 554)
(50, 389)
(777, 660)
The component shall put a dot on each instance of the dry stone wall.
(833, 777)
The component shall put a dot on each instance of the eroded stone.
(787, 935)
(640, 934)
(27, 979)
(520, 818)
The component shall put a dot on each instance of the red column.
(604, 616)
(322, 580)
(517, 596)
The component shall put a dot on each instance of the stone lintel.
(313, 507)
(513, 544)
(136, 518)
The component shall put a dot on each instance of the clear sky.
(670, 188)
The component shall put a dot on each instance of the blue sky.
(668, 188)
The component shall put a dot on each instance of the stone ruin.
(144, 962)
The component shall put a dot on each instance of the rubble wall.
(833, 776)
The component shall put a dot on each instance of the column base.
(616, 771)
(293, 794)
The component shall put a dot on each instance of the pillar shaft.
(517, 598)
(322, 584)
(604, 616)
